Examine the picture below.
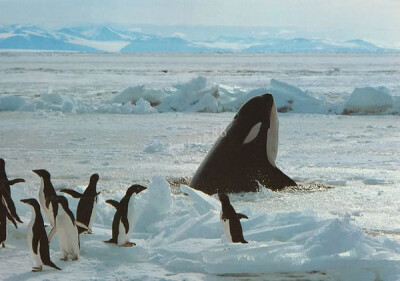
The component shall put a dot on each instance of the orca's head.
(135, 189)
(257, 109)
(42, 173)
(257, 119)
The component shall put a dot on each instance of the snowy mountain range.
(111, 39)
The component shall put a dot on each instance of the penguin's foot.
(75, 258)
(3, 245)
(129, 244)
(65, 258)
(37, 269)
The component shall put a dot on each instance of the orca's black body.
(245, 153)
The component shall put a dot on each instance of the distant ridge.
(105, 38)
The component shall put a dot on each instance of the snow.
(311, 235)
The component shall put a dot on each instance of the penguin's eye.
(224, 219)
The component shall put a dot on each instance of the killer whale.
(245, 154)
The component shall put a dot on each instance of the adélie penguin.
(46, 191)
(7, 206)
(124, 218)
(5, 192)
(86, 210)
(231, 221)
(37, 238)
(66, 228)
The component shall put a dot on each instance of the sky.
(377, 21)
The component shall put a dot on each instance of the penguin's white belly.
(29, 234)
(227, 230)
(48, 212)
(93, 214)
(124, 237)
(67, 233)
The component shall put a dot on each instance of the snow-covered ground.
(348, 232)
(53, 117)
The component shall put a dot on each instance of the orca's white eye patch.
(253, 133)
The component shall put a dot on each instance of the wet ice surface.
(349, 232)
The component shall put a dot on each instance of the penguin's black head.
(135, 189)
(42, 173)
(31, 201)
(223, 198)
(94, 178)
(2, 163)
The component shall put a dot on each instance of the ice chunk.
(154, 204)
(207, 103)
(143, 107)
(368, 101)
(52, 98)
(11, 103)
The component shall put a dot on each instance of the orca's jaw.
(272, 136)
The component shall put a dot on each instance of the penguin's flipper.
(113, 203)
(125, 222)
(71, 192)
(241, 216)
(14, 181)
(52, 232)
(81, 224)
(50, 200)
(11, 211)
(35, 243)
(11, 219)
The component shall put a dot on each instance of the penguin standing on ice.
(5, 203)
(37, 238)
(46, 191)
(124, 218)
(231, 221)
(5, 192)
(66, 228)
(86, 210)
(7, 206)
